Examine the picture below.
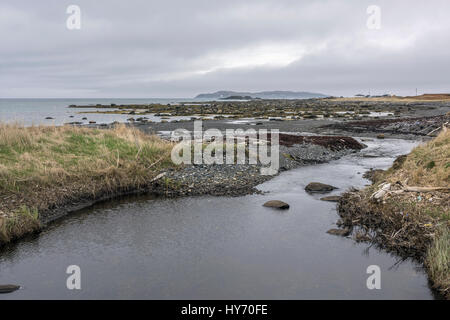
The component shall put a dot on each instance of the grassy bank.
(46, 167)
(407, 209)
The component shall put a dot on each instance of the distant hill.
(261, 95)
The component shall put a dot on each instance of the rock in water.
(276, 204)
(319, 187)
(331, 198)
(339, 232)
(7, 288)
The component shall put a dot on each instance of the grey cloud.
(180, 48)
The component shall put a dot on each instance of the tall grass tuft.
(438, 260)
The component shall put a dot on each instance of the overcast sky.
(180, 48)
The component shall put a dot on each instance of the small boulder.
(331, 198)
(319, 187)
(380, 136)
(276, 204)
(339, 232)
(8, 288)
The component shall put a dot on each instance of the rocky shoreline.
(423, 126)
(397, 118)
(238, 180)
(241, 179)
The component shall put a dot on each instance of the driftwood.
(385, 189)
(405, 187)
(159, 176)
(425, 189)
(444, 128)
(382, 191)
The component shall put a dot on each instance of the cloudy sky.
(138, 48)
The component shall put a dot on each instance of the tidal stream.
(217, 247)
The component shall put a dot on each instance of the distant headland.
(261, 95)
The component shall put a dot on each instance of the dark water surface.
(217, 247)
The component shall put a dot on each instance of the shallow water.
(217, 247)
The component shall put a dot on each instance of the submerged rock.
(319, 187)
(339, 232)
(331, 198)
(276, 204)
(8, 288)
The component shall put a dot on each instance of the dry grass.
(427, 165)
(56, 155)
(438, 260)
(41, 167)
